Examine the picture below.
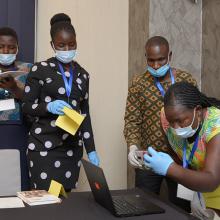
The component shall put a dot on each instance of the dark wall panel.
(20, 15)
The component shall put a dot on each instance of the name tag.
(7, 104)
(184, 193)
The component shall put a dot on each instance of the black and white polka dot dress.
(52, 152)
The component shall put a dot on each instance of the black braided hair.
(7, 31)
(189, 96)
(60, 22)
(157, 41)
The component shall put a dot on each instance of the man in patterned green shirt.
(142, 117)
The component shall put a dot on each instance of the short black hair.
(60, 22)
(7, 31)
(157, 40)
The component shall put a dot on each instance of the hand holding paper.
(70, 121)
(56, 107)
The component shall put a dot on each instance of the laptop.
(131, 204)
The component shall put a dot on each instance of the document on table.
(7, 104)
(11, 202)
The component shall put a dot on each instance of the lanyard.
(67, 83)
(195, 145)
(187, 162)
(160, 87)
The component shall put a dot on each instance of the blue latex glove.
(159, 162)
(93, 158)
(56, 107)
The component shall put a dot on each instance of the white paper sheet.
(7, 104)
(11, 202)
(184, 193)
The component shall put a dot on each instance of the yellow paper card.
(69, 122)
(57, 189)
(212, 199)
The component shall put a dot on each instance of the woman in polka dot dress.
(52, 84)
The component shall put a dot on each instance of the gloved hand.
(198, 207)
(56, 107)
(159, 162)
(132, 157)
(93, 158)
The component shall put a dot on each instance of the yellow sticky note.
(57, 189)
(69, 122)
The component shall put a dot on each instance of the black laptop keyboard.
(124, 207)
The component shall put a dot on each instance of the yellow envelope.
(70, 121)
(57, 189)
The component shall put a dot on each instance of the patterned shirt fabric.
(14, 116)
(210, 128)
(142, 116)
(45, 84)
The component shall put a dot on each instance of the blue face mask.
(65, 56)
(159, 72)
(7, 59)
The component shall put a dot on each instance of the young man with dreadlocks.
(191, 121)
(142, 118)
(51, 85)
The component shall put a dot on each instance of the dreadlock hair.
(189, 96)
(7, 31)
(157, 41)
(60, 22)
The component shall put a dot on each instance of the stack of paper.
(70, 121)
(11, 202)
(38, 197)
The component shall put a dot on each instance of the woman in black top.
(52, 84)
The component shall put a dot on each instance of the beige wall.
(138, 34)
(102, 35)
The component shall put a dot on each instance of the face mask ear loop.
(194, 113)
(168, 60)
(17, 51)
(198, 124)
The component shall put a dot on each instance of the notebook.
(130, 204)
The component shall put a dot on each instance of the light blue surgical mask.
(159, 72)
(7, 59)
(65, 56)
(186, 132)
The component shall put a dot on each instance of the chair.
(10, 174)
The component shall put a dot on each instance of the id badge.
(184, 193)
(7, 104)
